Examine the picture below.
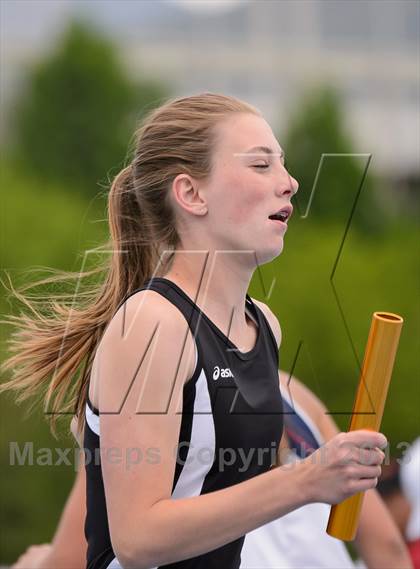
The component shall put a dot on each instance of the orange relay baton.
(368, 408)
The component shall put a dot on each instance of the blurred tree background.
(317, 128)
(69, 132)
(77, 111)
(347, 258)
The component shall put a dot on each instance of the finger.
(368, 457)
(364, 484)
(367, 439)
(368, 471)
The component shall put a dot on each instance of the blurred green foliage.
(317, 128)
(77, 111)
(42, 226)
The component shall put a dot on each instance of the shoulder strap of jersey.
(269, 331)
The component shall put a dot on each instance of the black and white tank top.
(231, 426)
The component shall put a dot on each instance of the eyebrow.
(258, 150)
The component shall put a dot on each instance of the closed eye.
(260, 165)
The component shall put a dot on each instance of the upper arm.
(68, 546)
(272, 320)
(378, 539)
(75, 432)
(143, 363)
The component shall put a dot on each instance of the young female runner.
(180, 392)
(297, 539)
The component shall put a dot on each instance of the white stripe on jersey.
(92, 420)
(202, 448)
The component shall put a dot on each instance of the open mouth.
(282, 215)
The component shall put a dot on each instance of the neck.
(217, 282)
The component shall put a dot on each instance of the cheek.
(244, 213)
(245, 200)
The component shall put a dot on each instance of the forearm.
(187, 527)
(378, 541)
(68, 549)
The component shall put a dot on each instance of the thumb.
(367, 439)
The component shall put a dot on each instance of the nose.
(288, 185)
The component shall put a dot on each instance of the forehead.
(241, 132)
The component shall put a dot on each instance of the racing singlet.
(232, 423)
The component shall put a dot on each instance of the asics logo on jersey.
(221, 372)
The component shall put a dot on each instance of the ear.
(188, 194)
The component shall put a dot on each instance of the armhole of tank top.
(198, 362)
(270, 331)
(197, 369)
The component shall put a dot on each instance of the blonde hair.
(53, 348)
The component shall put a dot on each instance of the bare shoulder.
(143, 329)
(300, 393)
(142, 308)
(298, 390)
(271, 318)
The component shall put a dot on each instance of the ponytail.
(53, 345)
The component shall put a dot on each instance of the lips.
(282, 214)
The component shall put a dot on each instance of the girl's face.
(248, 184)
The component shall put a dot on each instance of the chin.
(264, 257)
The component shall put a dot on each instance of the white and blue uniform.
(297, 540)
